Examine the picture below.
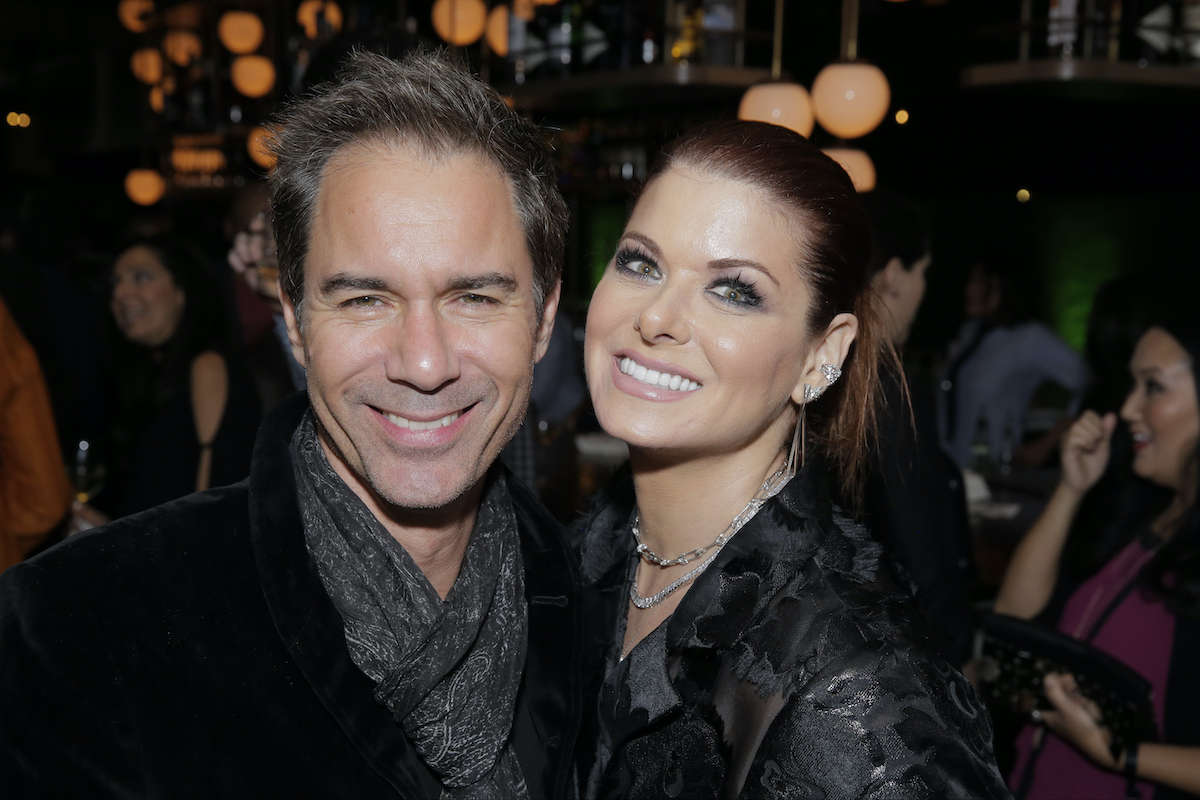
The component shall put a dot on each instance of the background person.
(754, 646)
(34, 491)
(914, 503)
(187, 410)
(1143, 605)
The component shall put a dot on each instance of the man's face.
(419, 326)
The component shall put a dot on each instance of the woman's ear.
(831, 348)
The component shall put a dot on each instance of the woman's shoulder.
(882, 722)
(597, 532)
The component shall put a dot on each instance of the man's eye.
(478, 299)
(365, 301)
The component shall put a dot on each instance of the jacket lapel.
(304, 615)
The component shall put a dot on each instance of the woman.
(1142, 606)
(753, 654)
(187, 412)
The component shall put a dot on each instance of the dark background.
(1112, 168)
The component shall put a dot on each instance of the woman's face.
(1161, 410)
(696, 336)
(146, 303)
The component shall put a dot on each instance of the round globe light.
(147, 65)
(145, 186)
(240, 31)
(858, 166)
(256, 146)
(310, 12)
(182, 47)
(253, 76)
(786, 104)
(523, 9)
(850, 100)
(459, 22)
(132, 14)
(497, 30)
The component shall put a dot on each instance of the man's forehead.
(356, 182)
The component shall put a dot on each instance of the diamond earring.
(831, 373)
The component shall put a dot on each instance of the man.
(376, 611)
(914, 501)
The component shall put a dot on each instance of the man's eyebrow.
(344, 281)
(741, 263)
(488, 280)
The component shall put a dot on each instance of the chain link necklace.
(771, 487)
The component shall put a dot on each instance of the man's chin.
(424, 492)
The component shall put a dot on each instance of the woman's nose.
(664, 318)
(1132, 407)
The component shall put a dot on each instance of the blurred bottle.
(980, 458)
(1007, 445)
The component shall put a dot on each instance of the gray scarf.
(447, 671)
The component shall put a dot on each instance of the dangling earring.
(795, 458)
(831, 372)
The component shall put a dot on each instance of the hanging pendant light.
(850, 100)
(240, 31)
(253, 76)
(858, 166)
(786, 104)
(459, 22)
(145, 186)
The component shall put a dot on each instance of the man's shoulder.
(199, 539)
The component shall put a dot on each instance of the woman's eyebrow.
(644, 241)
(741, 263)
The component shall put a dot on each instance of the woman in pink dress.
(1142, 606)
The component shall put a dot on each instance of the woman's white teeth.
(401, 422)
(1141, 437)
(653, 377)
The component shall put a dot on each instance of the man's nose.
(422, 350)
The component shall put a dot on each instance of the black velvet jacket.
(791, 670)
(191, 651)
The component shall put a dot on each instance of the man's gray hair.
(424, 101)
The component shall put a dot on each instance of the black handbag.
(1016, 654)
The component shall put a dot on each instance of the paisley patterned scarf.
(448, 671)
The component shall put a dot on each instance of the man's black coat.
(191, 651)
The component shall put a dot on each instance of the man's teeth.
(653, 377)
(423, 426)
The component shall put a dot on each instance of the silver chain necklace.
(771, 487)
